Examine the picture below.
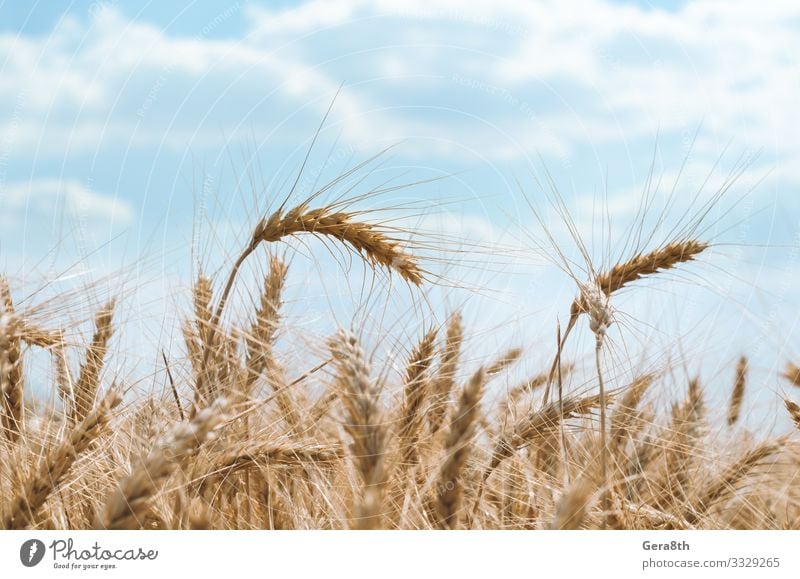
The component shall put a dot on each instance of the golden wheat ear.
(416, 394)
(735, 407)
(366, 428)
(721, 487)
(572, 507)
(375, 245)
(458, 448)
(12, 389)
(444, 381)
(54, 465)
(89, 378)
(130, 505)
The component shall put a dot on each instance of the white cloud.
(619, 71)
(45, 197)
(499, 81)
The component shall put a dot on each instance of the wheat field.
(244, 440)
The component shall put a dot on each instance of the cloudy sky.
(146, 138)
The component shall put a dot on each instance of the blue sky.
(123, 125)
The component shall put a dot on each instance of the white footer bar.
(407, 555)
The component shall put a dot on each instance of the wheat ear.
(261, 340)
(537, 425)
(639, 266)
(11, 376)
(252, 455)
(370, 241)
(724, 485)
(449, 487)
(53, 466)
(572, 506)
(794, 412)
(416, 391)
(444, 381)
(365, 426)
(130, 504)
(89, 377)
(737, 395)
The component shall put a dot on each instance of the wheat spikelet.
(53, 467)
(365, 426)
(89, 378)
(35, 336)
(445, 377)
(64, 381)
(375, 245)
(202, 294)
(449, 488)
(503, 362)
(738, 391)
(129, 506)
(204, 347)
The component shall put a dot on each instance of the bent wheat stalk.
(636, 268)
(373, 243)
